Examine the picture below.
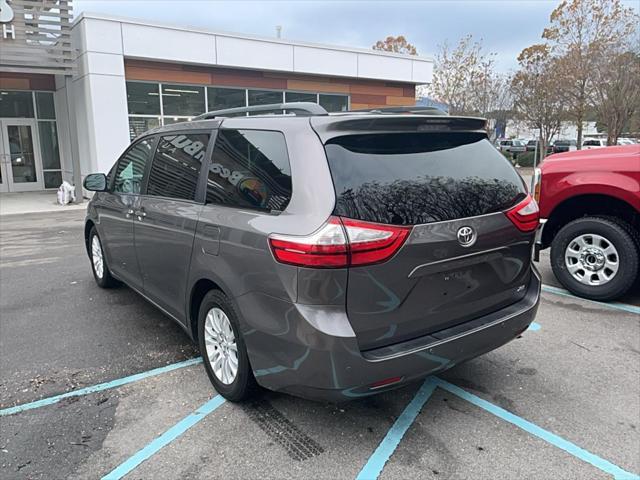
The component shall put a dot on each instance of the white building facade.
(126, 76)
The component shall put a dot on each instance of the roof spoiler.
(337, 126)
(416, 109)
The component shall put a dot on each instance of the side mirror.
(95, 182)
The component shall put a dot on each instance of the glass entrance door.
(19, 156)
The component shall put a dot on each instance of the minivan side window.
(250, 169)
(176, 165)
(130, 169)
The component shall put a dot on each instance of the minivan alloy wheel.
(592, 259)
(221, 347)
(97, 257)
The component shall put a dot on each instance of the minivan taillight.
(525, 215)
(340, 243)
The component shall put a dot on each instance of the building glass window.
(334, 103)
(139, 125)
(52, 178)
(182, 100)
(16, 104)
(264, 97)
(50, 152)
(301, 97)
(21, 155)
(172, 120)
(250, 169)
(176, 166)
(154, 104)
(45, 106)
(219, 98)
(143, 98)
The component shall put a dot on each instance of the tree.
(465, 79)
(616, 92)
(491, 97)
(536, 95)
(397, 44)
(455, 70)
(579, 35)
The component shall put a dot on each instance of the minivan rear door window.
(417, 178)
(176, 165)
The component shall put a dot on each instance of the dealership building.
(74, 92)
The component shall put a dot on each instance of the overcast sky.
(506, 27)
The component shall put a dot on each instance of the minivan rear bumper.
(310, 355)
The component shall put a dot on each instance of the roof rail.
(420, 110)
(297, 108)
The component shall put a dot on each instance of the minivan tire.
(244, 385)
(105, 280)
(624, 239)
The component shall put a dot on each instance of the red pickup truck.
(590, 217)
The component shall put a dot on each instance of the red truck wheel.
(595, 257)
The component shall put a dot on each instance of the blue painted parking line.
(99, 387)
(615, 305)
(163, 440)
(571, 448)
(389, 443)
(377, 461)
(534, 327)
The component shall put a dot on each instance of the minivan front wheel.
(101, 272)
(595, 257)
(222, 348)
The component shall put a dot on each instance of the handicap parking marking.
(625, 307)
(529, 427)
(376, 462)
(534, 327)
(166, 438)
(390, 442)
(100, 387)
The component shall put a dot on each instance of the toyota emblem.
(466, 236)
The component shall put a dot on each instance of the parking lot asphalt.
(562, 401)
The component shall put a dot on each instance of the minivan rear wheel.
(595, 257)
(101, 272)
(223, 349)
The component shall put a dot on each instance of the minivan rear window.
(417, 178)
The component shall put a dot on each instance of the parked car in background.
(561, 146)
(591, 143)
(550, 148)
(590, 217)
(513, 147)
(627, 141)
(504, 145)
(321, 255)
(519, 146)
(532, 145)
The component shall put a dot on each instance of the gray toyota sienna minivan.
(331, 256)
